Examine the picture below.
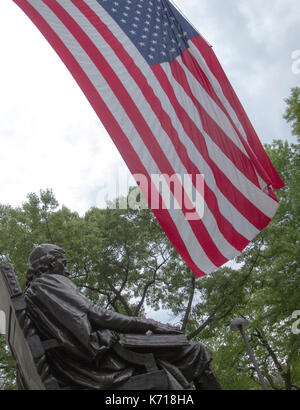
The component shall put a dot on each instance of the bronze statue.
(86, 333)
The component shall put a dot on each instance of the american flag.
(159, 90)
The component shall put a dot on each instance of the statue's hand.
(163, 329)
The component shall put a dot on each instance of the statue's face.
(60, 263)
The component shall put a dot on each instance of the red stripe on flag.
(217, 135)
(240, 202)
(253, 140)
(214, 96)
(113, 128)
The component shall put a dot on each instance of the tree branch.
(140, 304)
(220, 305)
(286, 375)
(147, 286)
(189, 305)
(120, 297)
(110, 301)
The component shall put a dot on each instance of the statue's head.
(46, 258)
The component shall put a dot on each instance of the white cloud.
(269, 21)
(50, 136)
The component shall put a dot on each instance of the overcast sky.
(51, 138)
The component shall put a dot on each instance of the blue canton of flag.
(155, 27)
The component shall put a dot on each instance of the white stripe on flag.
(213, 110)
(218, 90)
(255, 195)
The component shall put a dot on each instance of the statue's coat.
(86, 333)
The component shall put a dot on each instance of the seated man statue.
(86, 333)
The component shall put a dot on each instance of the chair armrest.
(152, 341)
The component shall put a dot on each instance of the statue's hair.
(44, 265)
(41, 265)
